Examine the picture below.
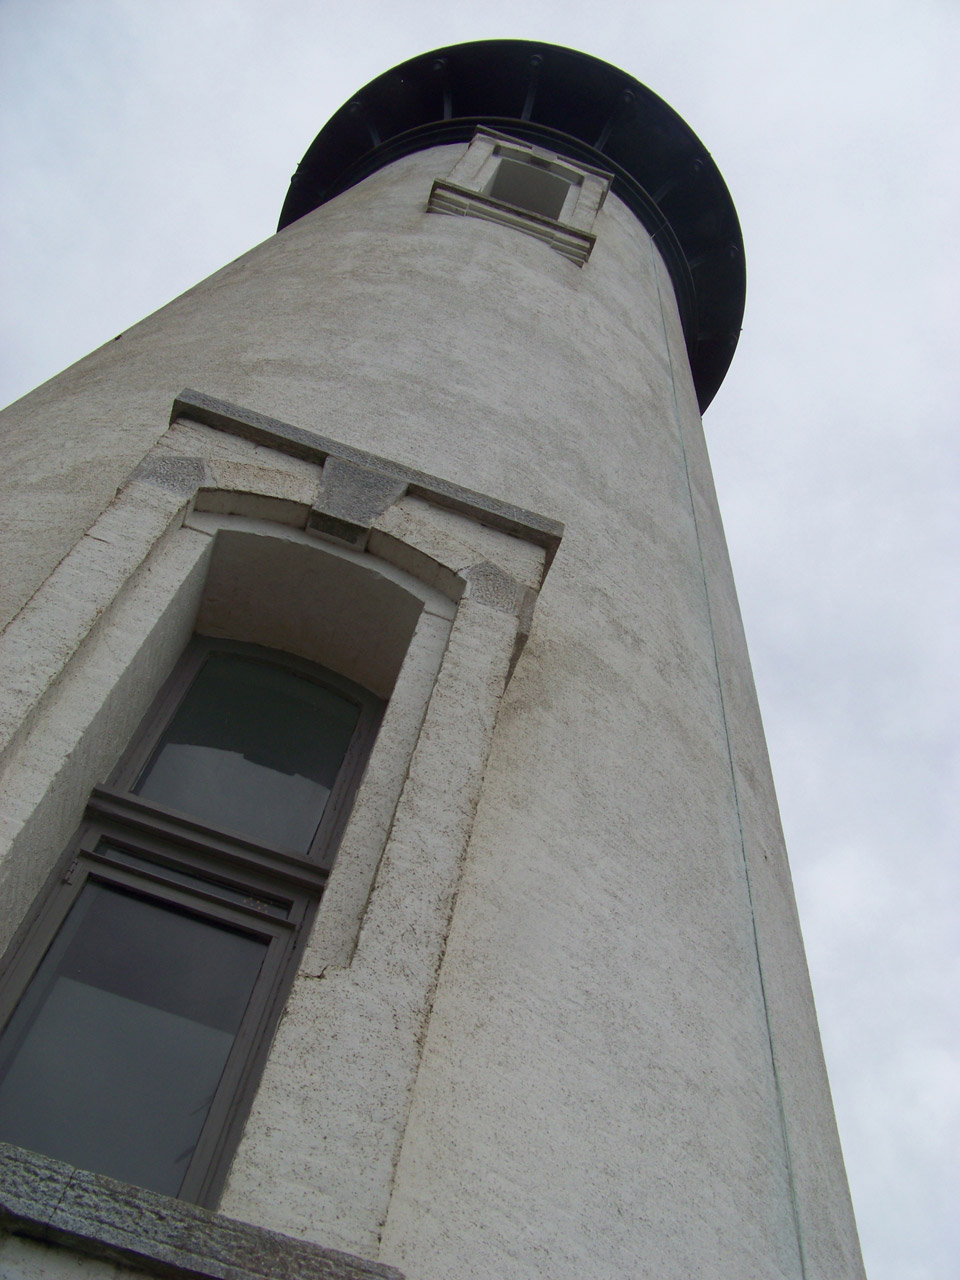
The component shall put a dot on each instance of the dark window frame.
(167, 857)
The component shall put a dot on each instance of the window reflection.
(116, 1049)
(253, 748)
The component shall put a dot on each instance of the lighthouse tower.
(393, 883)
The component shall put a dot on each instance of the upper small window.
(542, 194)
(529, 185)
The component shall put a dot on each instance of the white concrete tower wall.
(617, 1071)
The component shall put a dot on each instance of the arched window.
(415, 589)
(140, 1002)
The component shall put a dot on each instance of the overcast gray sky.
(147, 142)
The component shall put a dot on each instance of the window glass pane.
(253, 748)
(528, 186)
(115, 1052)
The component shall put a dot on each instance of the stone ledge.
(93, 1215)
(570, 241)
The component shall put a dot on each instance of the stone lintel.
(311, 447)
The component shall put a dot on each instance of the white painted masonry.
(554, 1020)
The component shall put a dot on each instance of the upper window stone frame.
(467, 191)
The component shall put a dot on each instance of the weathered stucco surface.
(619, 1072)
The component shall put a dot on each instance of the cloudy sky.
(147, 142)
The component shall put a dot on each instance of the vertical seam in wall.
(736, 791)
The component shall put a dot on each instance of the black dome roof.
(582, 108)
